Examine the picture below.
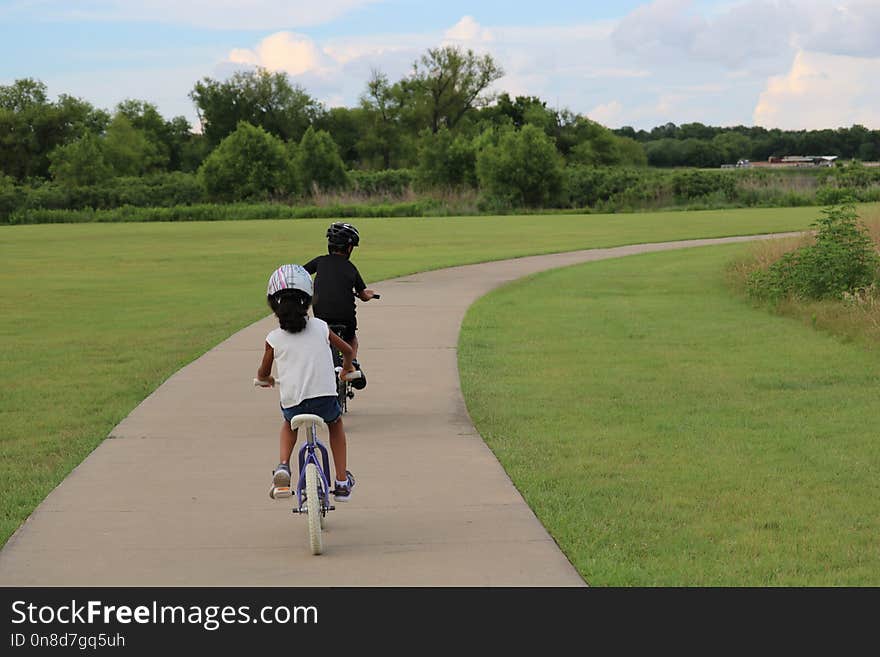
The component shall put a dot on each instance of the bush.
(688, 185)
(316, 162)
(524, 169)
(842, 260)
(615, 187)
(446, 161)
(10, 197)
(80, 162)
(225, 212)
(248, 164)
(393, 182)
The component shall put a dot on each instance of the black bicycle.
(344, 388)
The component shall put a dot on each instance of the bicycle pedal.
(280, 492)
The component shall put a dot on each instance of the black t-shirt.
(336, 282)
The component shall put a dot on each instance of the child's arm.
(264, 372)
(346, 350)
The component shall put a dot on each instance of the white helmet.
(290, 277)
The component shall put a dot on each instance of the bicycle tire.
(314, 510)
(324, 497)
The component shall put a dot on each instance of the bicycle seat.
(304, 420)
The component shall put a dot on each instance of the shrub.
(80, 162)
(390, 181)
(842, 260)
(10, 196)
(524, 169)
(446, 161)
(316, 162)
(695, 184)
(248, 164)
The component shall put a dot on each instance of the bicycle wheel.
(324, 498)
(314, 503)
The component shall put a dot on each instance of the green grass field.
(667, 432)
(93, 317)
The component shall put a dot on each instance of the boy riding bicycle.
(337, 281)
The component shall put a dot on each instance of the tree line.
(263, 137)
(698, 145)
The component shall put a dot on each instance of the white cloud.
(292, 53)
(746, 33)
(607, 113)
(845, 28)
(468, 32)
(822, 91)
(215, 14)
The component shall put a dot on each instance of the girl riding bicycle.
(300, 348)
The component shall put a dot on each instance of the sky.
(790, 64)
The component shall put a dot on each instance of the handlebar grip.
(377, 296)
(354, 375)
(260, 384)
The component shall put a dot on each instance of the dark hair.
(291, 307)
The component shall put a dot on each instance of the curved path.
(177, 495)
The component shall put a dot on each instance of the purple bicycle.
(312, 487)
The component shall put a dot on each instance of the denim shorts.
(327, 408)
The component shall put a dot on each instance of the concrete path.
(178, 494)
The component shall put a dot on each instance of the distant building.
(803, 160)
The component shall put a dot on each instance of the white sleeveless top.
(304, 363)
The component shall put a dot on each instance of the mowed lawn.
(93, 317)
(669, 433)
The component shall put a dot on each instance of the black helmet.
(342, 235)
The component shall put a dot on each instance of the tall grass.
(855, 317)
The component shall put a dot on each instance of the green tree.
(130, 151)
(446, 160)
(733, 146)
(386, 108)
(173, 139)
(449, 82)
(519, 111)
(257, 97)
(524, 168)
(31, 126)
(80, 162)
(346, 126)
(248, 164)
(317, 162)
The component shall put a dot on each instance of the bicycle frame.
(308, 454)
(344, 390)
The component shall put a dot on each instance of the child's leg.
(287, 440)
(337, 445)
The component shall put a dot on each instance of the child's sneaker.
(281, 476)
(343, 491)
